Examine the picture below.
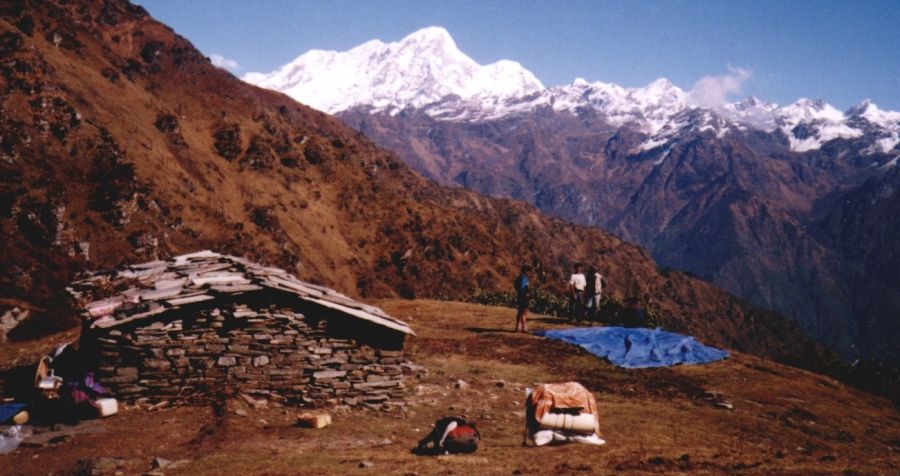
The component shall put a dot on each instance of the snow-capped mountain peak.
(430, 34)
(427, 71)
(885, 123)
(869, 111)
(861, 107)
(421, 69)
(805, 110)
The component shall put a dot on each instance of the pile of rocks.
(237, 348)
(206, 323)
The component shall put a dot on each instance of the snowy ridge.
(653, 106)
(419, 70)
(426, 71)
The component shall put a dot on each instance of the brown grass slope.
(655, 421)
(118, 133)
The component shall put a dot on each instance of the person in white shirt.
(577, 283)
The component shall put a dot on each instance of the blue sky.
(839, 51)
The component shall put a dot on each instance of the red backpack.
(450, 435)
(462, 439)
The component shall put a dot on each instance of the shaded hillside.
(864, 228)
(121, 142)
(738, 209)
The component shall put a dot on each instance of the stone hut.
(205, 322)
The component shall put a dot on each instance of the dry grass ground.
(784, 421)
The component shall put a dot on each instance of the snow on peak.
(870, 112)
(649, 108)
(806, 110)
(421, 69)
(886, 123)
(435, 34)
(752, 112)
(862, 107)
(427, 71)
(808, 124)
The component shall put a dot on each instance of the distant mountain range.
(120, 142)
(789, 207)
(426, 71)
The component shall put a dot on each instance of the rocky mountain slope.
(743, 194)
(121, 142)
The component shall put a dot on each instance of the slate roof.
(157, 287)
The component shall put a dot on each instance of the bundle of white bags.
(561, 412)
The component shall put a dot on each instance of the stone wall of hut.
(239, 349)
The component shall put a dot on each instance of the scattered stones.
(57, 433)
(414, 370)
(10, 320)
(254, 403)
(366, 464)
(717, 400)
(104, 466)
(313, 420)
(159, 463)
(463, 459)
(460, 384)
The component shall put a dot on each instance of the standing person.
(577, 283)
(592, 293)
(521, 286)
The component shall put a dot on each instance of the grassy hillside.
(784, 420)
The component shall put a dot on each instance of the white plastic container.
(107, 406)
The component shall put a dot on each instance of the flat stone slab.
(49, 435)
(329, 374)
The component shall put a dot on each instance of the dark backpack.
(462, 439)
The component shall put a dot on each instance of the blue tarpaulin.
(9, 410)
(638, 348)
